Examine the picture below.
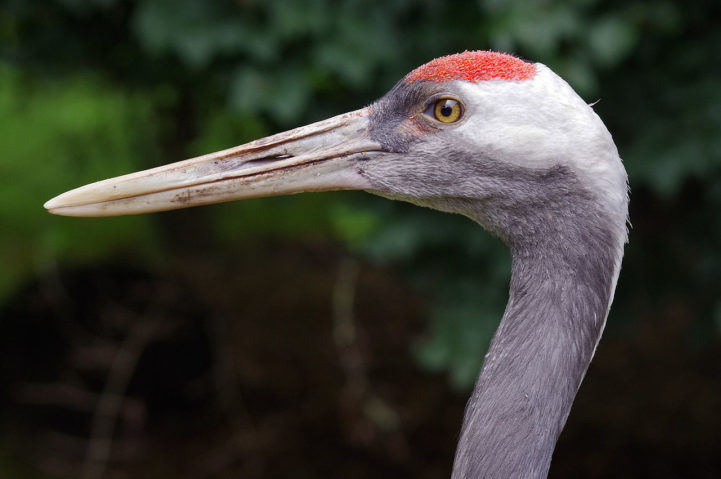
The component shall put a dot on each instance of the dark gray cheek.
(423, 172)
(398, 176)
(518, 204)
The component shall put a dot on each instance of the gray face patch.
(393, 110)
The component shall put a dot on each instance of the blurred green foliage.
(92, 89)
(57, 135)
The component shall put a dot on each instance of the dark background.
(337, 334)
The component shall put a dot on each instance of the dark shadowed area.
(334, 334)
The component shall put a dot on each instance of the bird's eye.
(446, 110)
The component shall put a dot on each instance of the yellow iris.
(447, 110)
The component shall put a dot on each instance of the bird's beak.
(317, 157)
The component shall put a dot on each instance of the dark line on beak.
(263, 161)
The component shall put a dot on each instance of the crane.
(503, 141)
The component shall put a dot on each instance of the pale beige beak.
(317, 157)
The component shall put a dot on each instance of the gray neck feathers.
(565, 252)
(566, 244)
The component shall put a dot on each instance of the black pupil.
(447, 108)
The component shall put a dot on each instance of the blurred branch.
(73, 398)
(344, 332)
(109, 405)
(357, 392)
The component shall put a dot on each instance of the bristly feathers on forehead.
(473, 66)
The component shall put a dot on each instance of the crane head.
(480, 133)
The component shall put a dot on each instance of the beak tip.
(59, 206)
(50, 205)
(53, 204)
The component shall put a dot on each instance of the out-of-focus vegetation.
(93, 89)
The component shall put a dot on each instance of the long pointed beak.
(317, 157)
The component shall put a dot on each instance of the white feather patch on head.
(541, 122)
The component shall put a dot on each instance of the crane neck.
(562, 282)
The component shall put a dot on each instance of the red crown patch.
(473, 66)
